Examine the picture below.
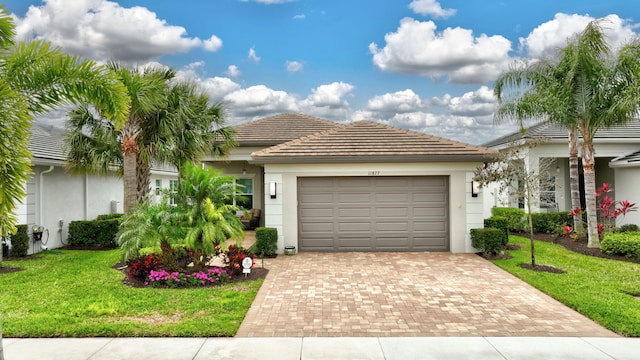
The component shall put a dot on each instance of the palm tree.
(543, 99)
(586, 90)
(183, 127)
(36, 77)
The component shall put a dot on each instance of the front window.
(548, 192)
(246, 190)
(173, 190)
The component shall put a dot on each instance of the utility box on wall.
(116, 207)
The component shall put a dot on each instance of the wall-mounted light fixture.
(244, 171)
(272, 189)
(475, 188)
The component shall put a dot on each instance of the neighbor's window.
(173, 189)
(158, 187)
(246, 190)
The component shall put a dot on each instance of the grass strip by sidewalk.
(77, 294)
(598, 288)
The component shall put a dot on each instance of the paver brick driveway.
(403, 294)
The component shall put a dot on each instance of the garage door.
(373, 213)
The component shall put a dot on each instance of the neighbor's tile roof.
(281, 128)
(371, 141)
(47, 142)
(554, 132)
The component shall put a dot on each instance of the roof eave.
(369, 159)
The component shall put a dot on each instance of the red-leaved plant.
(610, 210)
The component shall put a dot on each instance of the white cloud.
(233, 71)
(546, 39)
(213, 44)
(416, 48)
(399, 102)
(293, 66)
(330, 96)
(299, 17)
(252, 55)
(477, 103)
(102, 29)
(259, 99)
(430, 7)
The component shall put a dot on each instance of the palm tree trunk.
(588, 166)
(574, 179)
(143, 180)
(130, 152)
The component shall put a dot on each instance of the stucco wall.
(626, 188)
(465, 212)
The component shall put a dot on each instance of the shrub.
(20, 241)
(625, 244)
(500, 223)
(489, 240)
(266, 241)
(549, 222)
(109, 216)
(214, 276)
(140, 268)
(515, 217)
(94, 233)
(235, 255)
(628, 228)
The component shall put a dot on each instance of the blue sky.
(423, 65)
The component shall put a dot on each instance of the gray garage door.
(373, 213)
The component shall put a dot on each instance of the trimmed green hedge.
(501, 223)
(489, 240)
(548, 222)
(20, 241)
(515, 217)
(624, 243)
(266, 241)
(94, 233)
(109, 216)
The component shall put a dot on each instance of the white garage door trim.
(397, 213)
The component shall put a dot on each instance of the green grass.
(600, 289)
(77, 294)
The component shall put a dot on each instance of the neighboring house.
(617, 162)
(362, 186)
(55, 197)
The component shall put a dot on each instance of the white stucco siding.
(282, 213)
(66, 197)
(626, 188)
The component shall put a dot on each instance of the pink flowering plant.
(610, 210)
(164, 278)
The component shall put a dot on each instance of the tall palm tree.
(36, 77)
(592, 89)
(543, 99)
(182, 127)
(95, 144)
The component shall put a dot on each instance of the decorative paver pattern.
(403, 294)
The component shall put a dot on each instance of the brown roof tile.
(370, 141)
(281, 128)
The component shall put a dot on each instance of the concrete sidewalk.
(308, 348)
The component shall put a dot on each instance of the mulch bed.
(9, 269)
(575, 245)
(257, 272)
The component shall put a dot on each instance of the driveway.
(403, 294)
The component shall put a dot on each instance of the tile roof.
(366, 141)
(553, 132)
(47, 142)
(281, 128)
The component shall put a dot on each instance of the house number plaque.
(246, 265)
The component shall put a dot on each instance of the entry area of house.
(373, 213)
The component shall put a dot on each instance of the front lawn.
(78, 294)
(601, 289)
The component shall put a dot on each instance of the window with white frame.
(245, 189)
(173, 190)
(158, 189)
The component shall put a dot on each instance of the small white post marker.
(246, 265)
